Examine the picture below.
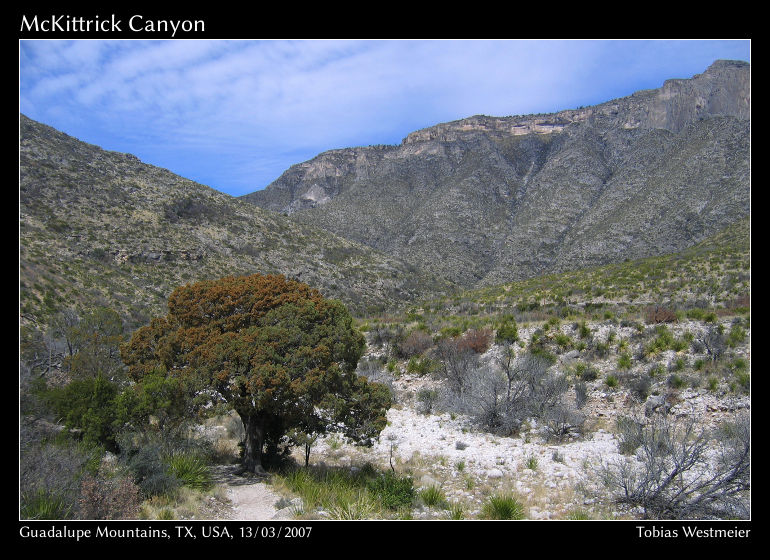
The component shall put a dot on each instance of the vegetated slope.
(103, 228)
(713, 275)
(486, 200)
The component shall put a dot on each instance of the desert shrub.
(562, 340)
(611, 381)
(583, 330)
(457, 362)
(630, 434)
(476, 340)
(680, 476)
(87, 405)
(563, 420)
(190, 468)
(640, 386)
(658, 314)
(507, 332)
(393, 491)
(585, 372)
(109, 498)
(581, 394)
(736, 336)
(45, 504)
(502, 506)
(50, 475)
(676, 381)
(427, 398)
(624, 361)
(415, 344)
(433, 496)
(420, 366)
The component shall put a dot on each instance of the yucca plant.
(433, 496)
(43, 504)
(191, 469)
(502, 506)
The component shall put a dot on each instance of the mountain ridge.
(103, 228)
(485, 200)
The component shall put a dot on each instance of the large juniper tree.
(274, 350)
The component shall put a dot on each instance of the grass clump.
(351, 493)
(190, 469)
(502, 506)
(433, 496)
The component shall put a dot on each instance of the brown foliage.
(477, 340)
(416, 343)
(113, 498)
(658, 314)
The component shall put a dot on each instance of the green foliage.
(159, 401)
(191, 469)
(624, 361)
(393, 491)
(272, 349)
(502, 506)
(88, 405)
(433, 496)
(507, 332)
(365, 492)
(420, 366)
(44, 504)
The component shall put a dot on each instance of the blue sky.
(235, 114)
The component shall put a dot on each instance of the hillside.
(487, 200)
(103, 228)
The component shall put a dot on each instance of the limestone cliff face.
(490, 199)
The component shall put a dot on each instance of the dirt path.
(250, 497)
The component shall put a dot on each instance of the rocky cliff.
(490, 199)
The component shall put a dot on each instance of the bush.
(477, 340)
(502, 506)
(427, 398)
(507, 332)
(658, 314)
(190, 469)
(45, 504)
(433, 496)
(87, 405)
(672, 451)
(394, 492)
(109, 498)
(415, 344)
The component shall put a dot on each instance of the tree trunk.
(254, 441)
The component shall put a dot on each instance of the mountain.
(103, 228)
(487, 200)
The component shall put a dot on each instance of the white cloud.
(253, 100)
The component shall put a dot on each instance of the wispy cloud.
(235, 114)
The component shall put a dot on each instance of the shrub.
(433, 496)
(427, 398)
(624, 361)
(45, 504)
(673, 451)
(420, 366)
(190, 469)
(477, 340)
(502, 506)
(394, 492)
(611, 381)
(507, 332)
(110, 498)
(658, 314)
(415, 344)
